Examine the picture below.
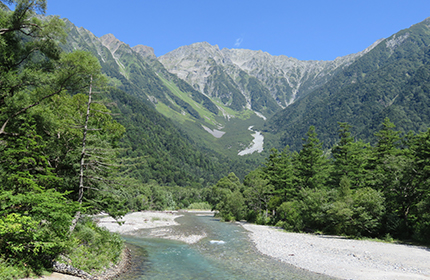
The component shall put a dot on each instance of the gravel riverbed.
(340, 257)
(138, 220)
(160, 222)
(330, 255)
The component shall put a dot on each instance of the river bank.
(130, 222)
(138, 220)
(340, 257)
(67, 272)
(329, 255)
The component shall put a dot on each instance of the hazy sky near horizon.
(306, 30)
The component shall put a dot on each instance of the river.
(225, 253)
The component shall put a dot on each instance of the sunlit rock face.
(284, 78)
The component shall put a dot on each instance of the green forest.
(352, 189)
(73, 145)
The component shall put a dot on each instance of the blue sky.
(306, 29)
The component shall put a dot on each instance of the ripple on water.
(236, 258)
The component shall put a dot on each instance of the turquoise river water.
(225, 253)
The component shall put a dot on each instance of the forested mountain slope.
(160, 150)
(203, 89)
(128, 70)
(156, 150)
(138, 72)
(391, 81)
(201, 86)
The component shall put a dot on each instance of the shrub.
(368, 207)
(290, 216)
(93, 248)
(262, 219)
(200, 206)
(10, 272)
(33, 228)
(233, 208)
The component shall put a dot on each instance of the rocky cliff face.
(238, 78)
(144, 51)
(284, 78)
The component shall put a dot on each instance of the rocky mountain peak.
(111, 42)
(286, 78)
(197, 52)
(145, 51)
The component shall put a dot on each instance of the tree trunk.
(82, 162)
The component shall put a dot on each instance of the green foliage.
(310, 164)
(280, 174)
(34, 227)
(289, 216)
(227, 198)
(41, 140)
(11, 272)
(257, 192)
(369, 209)
(25, 166)
(155, 149)
(350, 158)
(422, 226)
(92, 248)
(199, 206)
(34, 218)
(230, 182)
(375, 191)
(233, 207)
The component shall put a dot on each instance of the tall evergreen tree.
(310, 164)
(279, 171)
(388, 160)
(350, 159)
(258, 192)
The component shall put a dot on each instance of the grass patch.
(185, 96)
(171, 114)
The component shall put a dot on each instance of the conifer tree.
(310, 165)
(350, 158)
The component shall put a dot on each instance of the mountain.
(161, 152)
(391, 80)
(215, 95)
(251, 79)
(169, 150)
(139, 73)
(205, 89)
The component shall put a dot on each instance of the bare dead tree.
(82, 161)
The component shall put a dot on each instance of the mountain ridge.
(383, 83)
(282, 76)
(202, 87)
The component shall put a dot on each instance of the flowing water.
(225, 253)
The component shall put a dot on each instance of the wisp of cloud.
(238, 42)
